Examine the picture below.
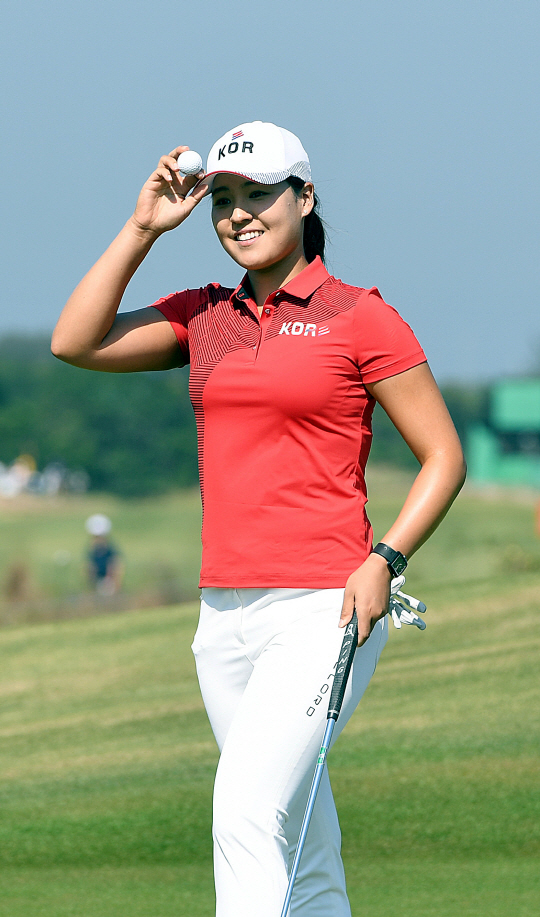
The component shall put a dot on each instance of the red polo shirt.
(284, 423)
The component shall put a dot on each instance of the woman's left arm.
(416, 407)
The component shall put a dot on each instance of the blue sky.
(420, 118)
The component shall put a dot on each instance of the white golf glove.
(403, 607)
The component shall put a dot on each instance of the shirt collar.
(302, 286)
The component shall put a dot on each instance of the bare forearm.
(89, 333)
(431, 496)
(437, 485)
(91, 309)
(414, 404)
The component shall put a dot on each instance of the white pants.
(265, 662)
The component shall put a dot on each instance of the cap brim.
(266, 178)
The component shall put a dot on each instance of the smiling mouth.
(248, 236)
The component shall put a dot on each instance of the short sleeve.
(177, 309)
(386, 345)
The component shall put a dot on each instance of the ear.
(307, 196)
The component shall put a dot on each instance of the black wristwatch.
(396, 561)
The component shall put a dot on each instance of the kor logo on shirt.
(304, 328)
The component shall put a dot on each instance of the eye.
(221, 201)
(258, 192)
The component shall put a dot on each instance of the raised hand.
(165, 201)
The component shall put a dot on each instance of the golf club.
(401, 608)
(343, 667)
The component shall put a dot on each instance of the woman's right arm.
(89, 333)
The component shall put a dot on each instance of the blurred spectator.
(16, 478)
(105, 568)
(22, 476)
(16, 584)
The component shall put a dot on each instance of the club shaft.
(343, 667)
(309, 809)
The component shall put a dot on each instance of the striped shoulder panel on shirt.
(216, 327)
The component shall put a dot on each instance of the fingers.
(367, 616)
(191, 202)
(175, 155)
(171, 181)
(367, 590)
(171, 161)
(177, 150)
(365, 626)
(347, 608)
(167, 169)
(199, 192)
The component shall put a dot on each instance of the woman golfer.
(285, 372)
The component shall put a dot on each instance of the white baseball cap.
(260, 151)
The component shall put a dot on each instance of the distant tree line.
(134, 434)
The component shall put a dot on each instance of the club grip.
(343, 667)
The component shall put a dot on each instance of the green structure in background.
(506, 450)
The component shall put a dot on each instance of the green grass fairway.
(107, 759)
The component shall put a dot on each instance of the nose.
(239, 215)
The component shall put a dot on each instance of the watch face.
(399, 564)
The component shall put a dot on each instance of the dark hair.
(314, 231)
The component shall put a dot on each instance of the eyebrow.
(225, 188)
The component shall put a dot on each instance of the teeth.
(244, 236)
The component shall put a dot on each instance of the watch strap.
(396, 561)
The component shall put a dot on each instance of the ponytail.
(314, 231)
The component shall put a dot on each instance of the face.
(259, 225)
